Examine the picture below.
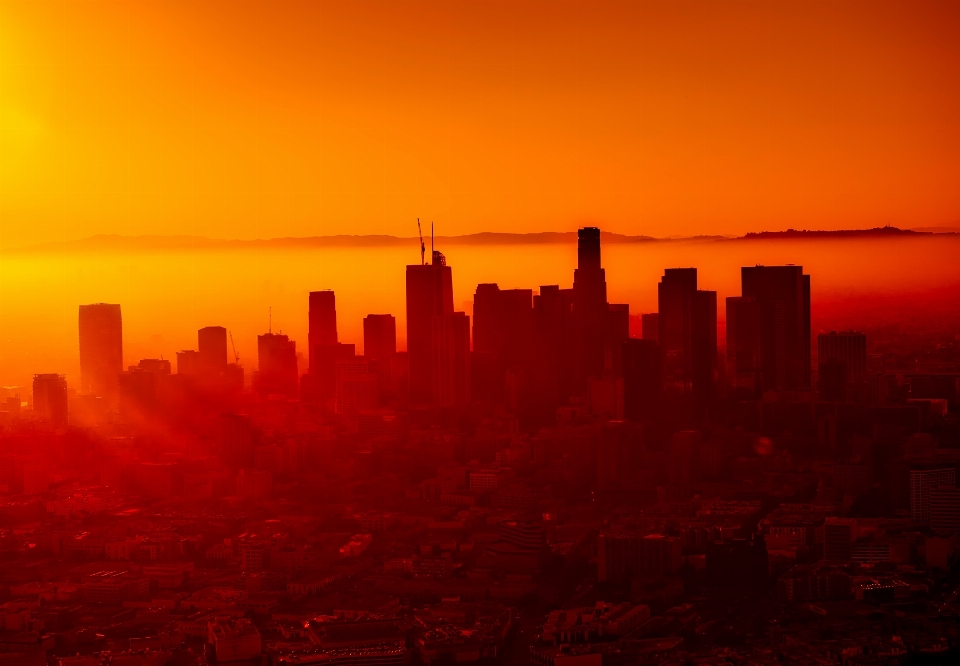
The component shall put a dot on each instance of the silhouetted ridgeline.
(158, 243)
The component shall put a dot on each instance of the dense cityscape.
(550, 479)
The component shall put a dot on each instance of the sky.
(264, 119)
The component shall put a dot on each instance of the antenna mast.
(270, 325)
(431, 240)
(422, 248)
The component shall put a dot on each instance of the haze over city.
(412, 333)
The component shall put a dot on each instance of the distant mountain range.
(153, 243)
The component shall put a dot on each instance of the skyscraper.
(650, 326)
(429, 294)
(783, 295)
(212, 344)
(379, 337)
(277, 365)
(922, 484)
(590, 311)
(322, 322)
(50, 399)
(451, 359)
(101, 350)
(688, 332)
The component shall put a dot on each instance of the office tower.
(642, 380)
(503, 337)
(552, 324)
(356, 388)
(451, 359)
(429, 294)
(590, 311)
(379, 337)
(650, 326)
(212, 345)
(277, 365)
(50, 399)
(842, 363)
(688, 332)
(743, 346)
(922, 484)
(322, 323)
(188, 363)
(618, 330)
(101, 350)
(945, 509)
(783, 294)
(838, 537)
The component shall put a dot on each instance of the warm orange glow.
(257, 119)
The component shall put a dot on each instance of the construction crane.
(423, 249)
(236, 356)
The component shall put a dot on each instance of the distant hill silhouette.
(881, 232)
(159, 243)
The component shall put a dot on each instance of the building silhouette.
(322, 324)
(503, 338)
(687, 320)
(783, 296)
(212, 346)
(50, 399)
(379, 337)
(590, 310)
(429, 294)
(277, 365)
(101, 350)
(642, 379)
(650, 326)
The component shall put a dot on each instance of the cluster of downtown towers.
(535, 353)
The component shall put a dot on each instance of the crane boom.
(422, 248)
(236, 356)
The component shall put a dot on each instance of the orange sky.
(262, 119)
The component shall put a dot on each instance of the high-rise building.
(277, 365)
(322, 323)
(744, 367)
(429, 294)
(141, 387)
(842, 361)
(101, 350)
(379, 337)
(188, 362)
(783, 295)
(642, 380)
(503, 337)
(50, 399)
(212, 345)
(945, 509)
(922, 484)
(451, 359)
(553, 335)
(590, 310)
(688, 332)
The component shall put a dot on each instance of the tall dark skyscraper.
(277, 365)
(642, 379)
(50, 399)
(429, 294)
(379, 337)
(688, 332)
(101, 350)
(783, 295)
(590, 311)
(212, 345)
(322, 323)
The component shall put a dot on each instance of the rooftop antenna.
(270, 325)
(431, 240)
(422, 248)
